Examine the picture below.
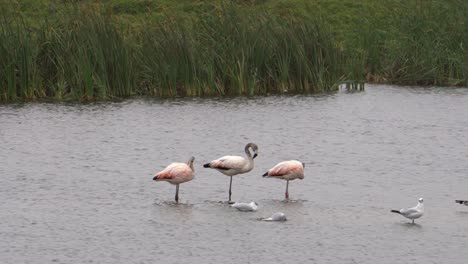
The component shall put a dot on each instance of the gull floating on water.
(464, 202)
(246, 207)
(413, 212)
(176, 173)
(279, 216)
(233, 165)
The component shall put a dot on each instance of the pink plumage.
(176, 173)
(287, 170)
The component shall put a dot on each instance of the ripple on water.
(172, 204)
(76, 184)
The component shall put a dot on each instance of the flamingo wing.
(228, 162)
(284, 168)
(172, 171)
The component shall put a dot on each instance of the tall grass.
(236, 52)
(416, 43)
(18, 72)
(225, 51)
(85, 58)
(82, 51)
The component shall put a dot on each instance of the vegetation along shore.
(89, 49)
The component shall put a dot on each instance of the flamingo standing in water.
(233, 165)
(176, 173)
(287, 170)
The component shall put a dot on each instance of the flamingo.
(176, 173)
(413, 212)
(233, 165)
(287, 170)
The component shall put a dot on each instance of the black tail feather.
(207, 165)
(395, 211)
(265, 174)
(461, 201)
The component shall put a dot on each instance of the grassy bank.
(107, 49)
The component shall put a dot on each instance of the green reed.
(82, 51)
(238, 52)
(86, 58)
(18, 73)
(166, 59)
(416, 43)
(224, 51)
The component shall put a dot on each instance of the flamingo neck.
(190, 164)
(247, 152)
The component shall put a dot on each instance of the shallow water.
(76, 179)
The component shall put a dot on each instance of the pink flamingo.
(176, 173)
(287, 170)
(233, 165)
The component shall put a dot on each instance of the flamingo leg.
(413, 221)
(177, 193)
(230, 184)
(286, 195)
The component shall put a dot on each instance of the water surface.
(76, 179)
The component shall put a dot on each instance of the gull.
(464, 202)
(233, 165)
(287, 170)
(413, 212)
(279, 216)
(176, 173)
(246, 207)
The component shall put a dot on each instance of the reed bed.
(239, 53)
(19, 76)
(85, 58)
(83, 52)
(227, 51)
(416, 43)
